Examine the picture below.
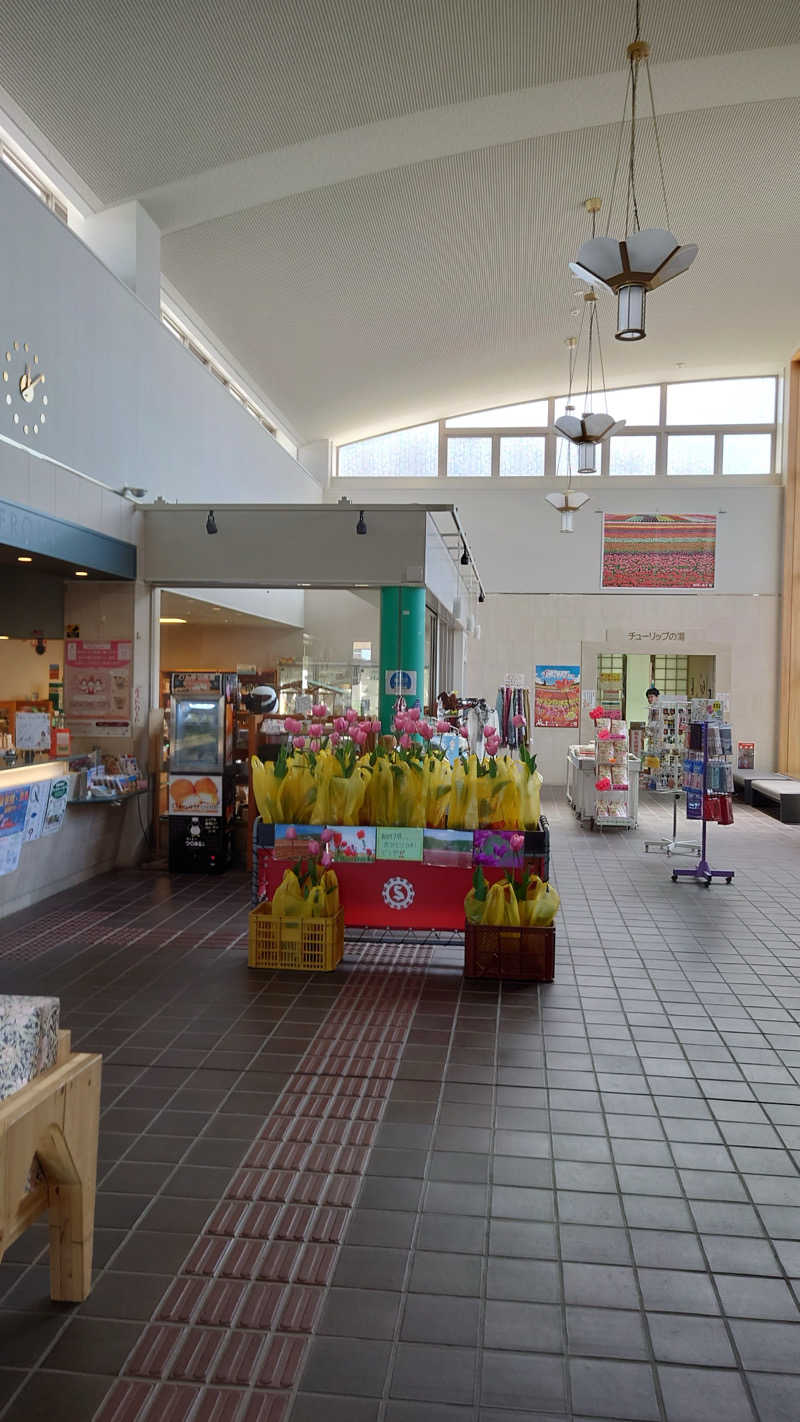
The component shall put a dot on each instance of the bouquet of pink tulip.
(406, 780)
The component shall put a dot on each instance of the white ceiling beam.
(714, 82)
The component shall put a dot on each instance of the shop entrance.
(623, 679)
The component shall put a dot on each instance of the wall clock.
(24, 388)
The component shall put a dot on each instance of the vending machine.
(201, 772)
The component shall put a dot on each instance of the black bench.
(779, 790)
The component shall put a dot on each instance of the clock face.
(24, 392)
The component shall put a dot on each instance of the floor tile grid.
(388, 1395)
(756, 1024)
(656, 1368)
(263, 988)
(56, 929)
(361, 1005)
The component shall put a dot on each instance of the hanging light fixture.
(645, 258)
(592, 428)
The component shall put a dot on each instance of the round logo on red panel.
(398, 893)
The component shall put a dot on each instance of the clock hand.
(31, 385)
(24, 380)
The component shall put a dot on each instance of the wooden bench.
(48, 1163)
(783, 792)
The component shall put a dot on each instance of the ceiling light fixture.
(173, 621)
(645, 258)
(464, 559)
(23, 558)
(361, 526)
(591, 428)
(211, 523)
(81, 573)
(481, 596)
(129, 491)
(567, 503)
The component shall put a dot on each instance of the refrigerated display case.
(200, 789)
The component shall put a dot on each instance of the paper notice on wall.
(56, 805)
(97, 687)
(32, 730)
(10, 848)
(37, 805)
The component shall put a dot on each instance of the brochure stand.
(702, 872)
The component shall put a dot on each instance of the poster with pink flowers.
(557, 701)
(659, 550)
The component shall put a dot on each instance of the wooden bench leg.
(69, 1160)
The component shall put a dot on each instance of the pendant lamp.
(645, 258)
(587, 431)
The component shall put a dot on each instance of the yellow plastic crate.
(312, 945)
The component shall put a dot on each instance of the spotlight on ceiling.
(464, 560)
(481, 596)
(211, 523)
(129, 492)
(361, 526)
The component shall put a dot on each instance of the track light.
(211, 523)
(464, 555)
(361, 526)
(481, 596)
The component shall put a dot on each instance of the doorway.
(623, 679)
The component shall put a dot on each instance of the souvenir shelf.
(616, 775)
(666, 740)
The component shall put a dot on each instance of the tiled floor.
(386, 1194)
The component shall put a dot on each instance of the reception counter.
(47, 844)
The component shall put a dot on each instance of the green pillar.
(402, 646)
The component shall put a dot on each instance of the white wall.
(127, 403)
(336, 619)
(544, 602)
(284, 605)
(517, 631)
(23, 672)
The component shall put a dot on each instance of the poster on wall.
(56, 805)
(32, 730)
(97, 688)
(557, 698)
(10, 847)
(659, 550)
(13, 810)
(37, 805)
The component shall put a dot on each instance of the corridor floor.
(390, 1195)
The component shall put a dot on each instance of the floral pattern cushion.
(28, 1040)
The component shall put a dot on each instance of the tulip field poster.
(557, 701)
(661, 551)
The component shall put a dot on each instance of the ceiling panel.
(138, 93)
(444, 286)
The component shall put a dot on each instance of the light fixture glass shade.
(587, 460)
(567, 504)
(630, 313)
(642, 262)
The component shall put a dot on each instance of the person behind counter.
(652, 695)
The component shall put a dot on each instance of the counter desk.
(48, 844)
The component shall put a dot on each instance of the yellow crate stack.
(312, 945)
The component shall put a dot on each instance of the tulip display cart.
(397, 893)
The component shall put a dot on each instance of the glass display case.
(197, 732)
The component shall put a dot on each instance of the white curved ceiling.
(417, 265)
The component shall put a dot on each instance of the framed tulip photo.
(663, 551)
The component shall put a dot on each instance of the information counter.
(47, 844)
